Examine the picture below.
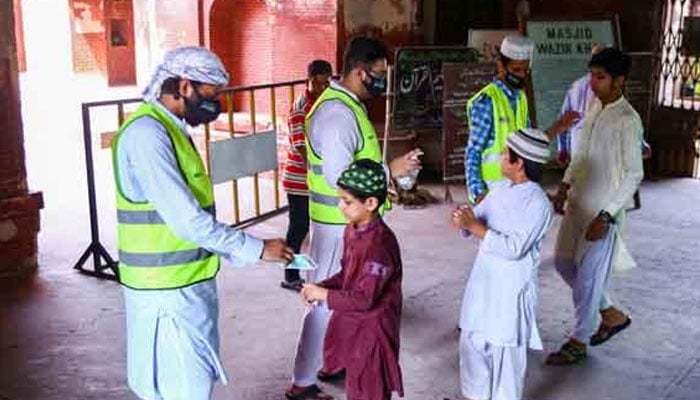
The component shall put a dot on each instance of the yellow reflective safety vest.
(323, 199)
(505, 121)
(151, 255)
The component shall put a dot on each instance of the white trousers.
(181, 374)
(589, 280)
(326, 249)
(172, 342)
(490, 372)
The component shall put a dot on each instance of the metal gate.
(678, 55)
(676, 80)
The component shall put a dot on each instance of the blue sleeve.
(563, 138)
(152, 163)
(481, 133)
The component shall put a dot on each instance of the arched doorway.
(264, 41)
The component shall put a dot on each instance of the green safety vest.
(151, 255)
(323, 199)
(505, 121)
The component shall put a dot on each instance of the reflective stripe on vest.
(151, 255)
(323, 199)
(505, 121)
(163, 259)
(146, 217)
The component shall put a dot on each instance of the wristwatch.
(605, 216)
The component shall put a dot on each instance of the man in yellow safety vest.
(169, 240)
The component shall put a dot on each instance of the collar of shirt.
(310, 96)
(337, 86)
(309, 100)
(359, 231)
(510, 93)
(617, 103)
(180, 122)
(597, 108)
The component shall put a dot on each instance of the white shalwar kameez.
(604, 175)
(499, 308)
(172, 334)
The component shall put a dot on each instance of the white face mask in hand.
(301, 262)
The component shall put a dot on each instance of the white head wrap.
(531, 144)
(517, 47)
(193, 63)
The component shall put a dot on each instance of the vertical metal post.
(232, 132)
(207, 154)
(95, 248)
(120, 114)
(92, 201)
(276, 172)
(256, 178)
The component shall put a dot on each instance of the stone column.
(19, 209)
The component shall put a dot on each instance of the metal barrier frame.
(104, 266)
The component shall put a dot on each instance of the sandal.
(312, 392)
(568, 354)
(324, 376)
(606, 333)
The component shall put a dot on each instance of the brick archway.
(262, 44)
(241, 33)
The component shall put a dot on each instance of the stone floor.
(62, 333)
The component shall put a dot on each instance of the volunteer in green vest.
(497, 110)
(338, 132)
(169, 240)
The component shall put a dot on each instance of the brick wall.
(88, 36)
(19, 210)
(19, 35)
(241, 36)
(13, 178)
(89, 53)
(259, 45)
(302, 34)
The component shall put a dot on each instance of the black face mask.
(376, 86)
(201, 110)
(515, 81)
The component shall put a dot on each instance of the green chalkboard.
(561, 55)
(419, 84)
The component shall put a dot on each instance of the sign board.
(561, 55)
(240, 157)
(461, 82)
(418, 90)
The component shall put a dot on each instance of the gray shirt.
(335, 135)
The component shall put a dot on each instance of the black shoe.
(331, 377)
(293, 285)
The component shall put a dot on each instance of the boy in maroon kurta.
(365, 296)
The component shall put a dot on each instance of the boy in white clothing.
(597, 188)
(498, 321)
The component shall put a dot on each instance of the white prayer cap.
(531, 144)
(517, 47)
(194, 63)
